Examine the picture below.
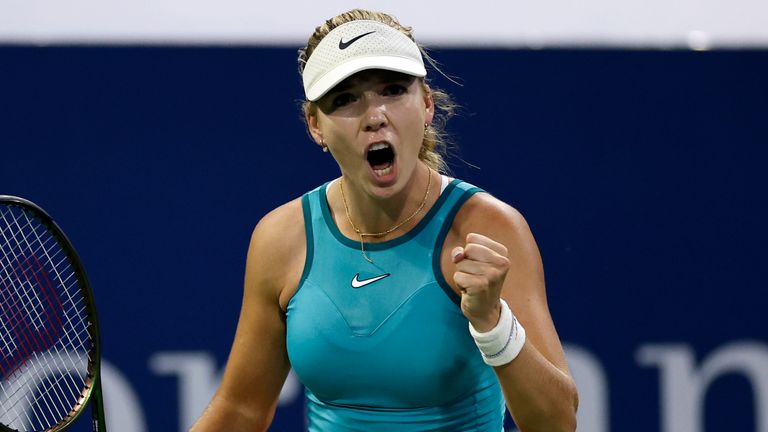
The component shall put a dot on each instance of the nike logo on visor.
(344, 45)
(357, 283)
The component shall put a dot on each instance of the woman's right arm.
(258, 362)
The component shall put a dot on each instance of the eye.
(394, 90)
(342, 99)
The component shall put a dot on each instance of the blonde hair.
(435, 142)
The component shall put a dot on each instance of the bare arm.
(258, 362)
(499, 259)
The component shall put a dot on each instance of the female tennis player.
(403, 299)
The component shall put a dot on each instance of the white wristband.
(504, 342)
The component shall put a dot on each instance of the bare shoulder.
(280, 224)
(277, 250)
(485, 214)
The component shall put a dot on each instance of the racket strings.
(44, 340)
(73, 304)
(69, 355)
(35, 345)
(62, 264)
(45, 343)
(26, 341)
(17, 314)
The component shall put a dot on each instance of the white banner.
(697, 24)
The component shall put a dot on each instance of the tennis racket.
(49, 336)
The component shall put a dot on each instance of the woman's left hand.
(481, 266)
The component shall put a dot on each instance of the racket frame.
(91, 392)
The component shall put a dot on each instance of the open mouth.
(381, 156)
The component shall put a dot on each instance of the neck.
(379, 219)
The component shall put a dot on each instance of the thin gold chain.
(383, 233)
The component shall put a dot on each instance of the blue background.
(641, 173)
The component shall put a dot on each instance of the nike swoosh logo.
(356, 283)
(344, 45)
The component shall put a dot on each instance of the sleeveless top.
(384, 346)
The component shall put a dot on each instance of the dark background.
(641, 173)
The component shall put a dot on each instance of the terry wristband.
(504, 342)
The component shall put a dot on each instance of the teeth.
(383, 172)
(379, 146)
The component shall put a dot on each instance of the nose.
(375, 116)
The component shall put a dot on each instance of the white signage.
(696, 24)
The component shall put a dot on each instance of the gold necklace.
(383, 233)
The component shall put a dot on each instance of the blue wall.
(642, 175)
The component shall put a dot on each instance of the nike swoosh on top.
(356, 283)
(345, 45)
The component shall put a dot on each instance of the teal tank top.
(383, 346)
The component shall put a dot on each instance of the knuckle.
(499, 275)
(458, 277)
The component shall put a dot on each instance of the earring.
(323, 145)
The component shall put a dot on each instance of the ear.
(429, 105)
(313, 126)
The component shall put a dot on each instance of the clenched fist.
(481, 266)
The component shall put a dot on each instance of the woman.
(390, 290)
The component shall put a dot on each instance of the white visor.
(356, 46)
